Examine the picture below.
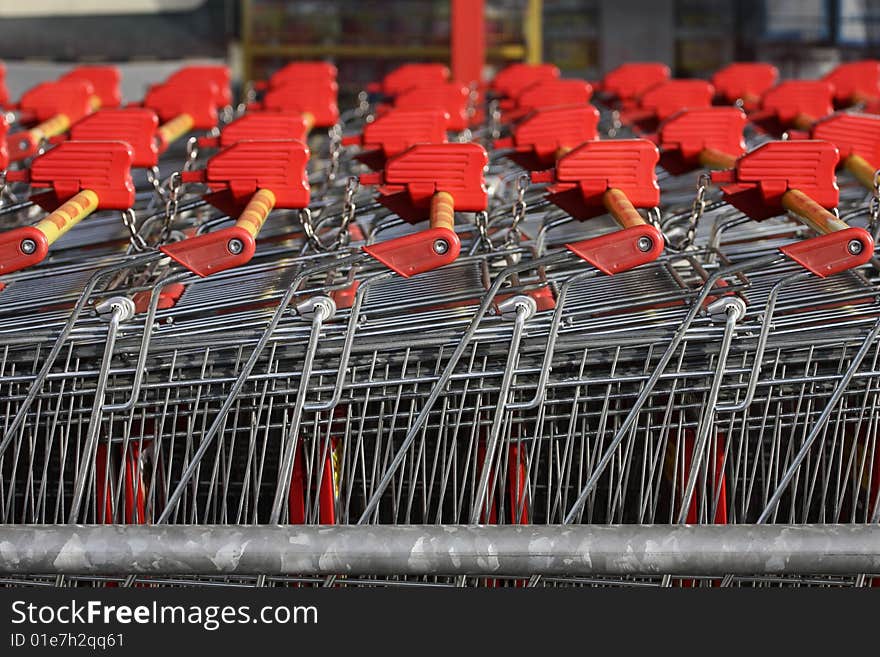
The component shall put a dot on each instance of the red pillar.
(468, 41)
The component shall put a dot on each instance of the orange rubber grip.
(256, 212)
(811, 213)
(175, 128)
(860, 169)
(443, 211)
(622, 209)
(68, 215)
(309, 120)
(57, 125)
(715, 159)
(803, 122)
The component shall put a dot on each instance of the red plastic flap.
(73, 98)
(746, 81)
(586, 173)
(136, 126)
(853, 134)
(411, 75)
(855, 82)
(628, 81)
(208, 254)
(104, 79)
(787, 100)
(620, 251)
(12, 258)
(246, 166)
(512, 79)
(195, 98)
(829, 254)
(544, 132)
(299, 71)
(762, 176)
(101, 166)
(549, 93)
(398, 129)
(670, 96)
(413, 177)
(687, 133)
(264, 126)
(316, 96)
(216, 73)
(413, 254)
(449, 97)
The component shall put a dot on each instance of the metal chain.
(616, 124)
(481, 221)
(192, 153)
(697, 209)
(174, 187)
(514, 235)
(138, 243)
(874, 207)
(335, 134)
(153, 177)
(348, 212)
(494, 119)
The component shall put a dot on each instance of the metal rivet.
(441, 247)
(28, 246)
(235, 246)
(645, 244)
(24, 145)
(855, 247)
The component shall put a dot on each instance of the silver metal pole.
(436, 550)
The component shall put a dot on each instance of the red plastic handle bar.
(583, 176)
(135, 126)
(429, 181)
(199, 75)
(314, 97)
(396, 130)
(512, 79)
(745, 82)
(709, 137)
(450, 97)
(294, 72)
(548, 93)
(855, 82)
(56, 106)
(545, 134)
(260, 126)
(798, 177)
(247, 180)
(857, 137)
(195, 99)
(798, 103)
(628, 81)
(408, 76)
(84, 177)
(104, 79)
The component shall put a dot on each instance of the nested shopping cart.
(292, 378)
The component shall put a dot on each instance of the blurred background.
(365, 38)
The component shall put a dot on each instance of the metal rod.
(433, 550)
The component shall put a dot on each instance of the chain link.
(514, 235)
(697, 209)
(192, 153)
(335, 134)
(138, 243)
(348, 212)
(171, 204)
(481, 221)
